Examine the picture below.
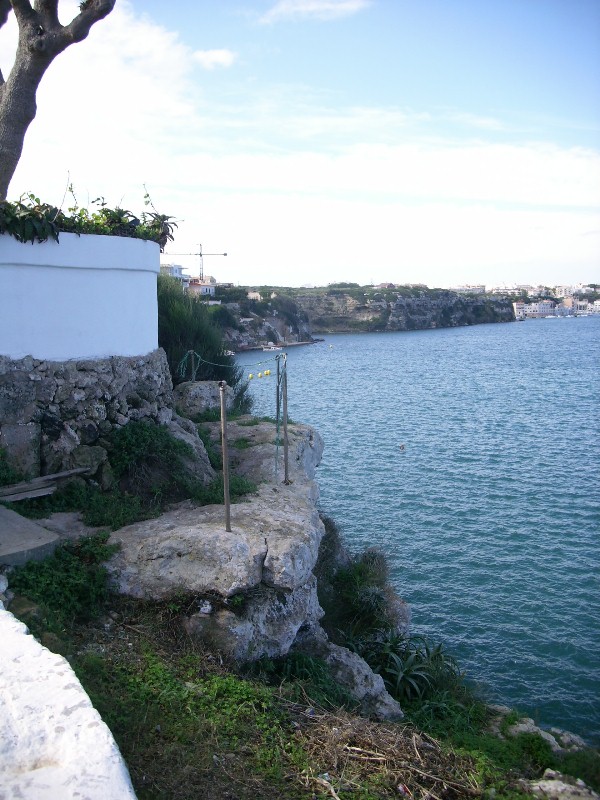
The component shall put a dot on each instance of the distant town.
(545, 301)
(530, 301)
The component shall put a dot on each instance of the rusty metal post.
(225, 456)
(286, 474)
(278, 395)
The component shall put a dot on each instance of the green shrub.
(363, 594)
(243, 443)
(71, 585)
(412, 668)
(147, 462)
(185, 324)
(584, 764)
(305, 678)
(141, 445)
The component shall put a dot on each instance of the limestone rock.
(568, 741)
(352, 672)
(196, 397)
(267, 626)
(89, 457)
(268, 557)
(197, 466)
(186, 549)
(22, 443)
(555, 786)
(527, 725)
(17, 396)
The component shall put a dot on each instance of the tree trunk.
(17, 110)
(41, 39)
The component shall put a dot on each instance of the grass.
(70, 585)
(243, 443)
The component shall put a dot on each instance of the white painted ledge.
(53, 743)
(82, 297)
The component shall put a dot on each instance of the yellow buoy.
(250, 376)
(267, 372)
(260, 374)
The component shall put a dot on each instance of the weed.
(362, 595)
(140, 445)
(213, 493)
(116, 509)
(71, 585)
(179, 727)
(214, 455)
(243, 443)
(304, 678)
(112, 509)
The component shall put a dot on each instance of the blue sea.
(490, 514)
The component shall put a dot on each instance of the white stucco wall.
(53, 743)
(83, 297)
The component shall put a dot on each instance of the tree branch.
(23, 11)
(48, 10)
(5, 8)
(92, 11)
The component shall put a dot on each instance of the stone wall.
(54, 414)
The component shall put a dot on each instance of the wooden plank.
(26, 495)
(41, 481)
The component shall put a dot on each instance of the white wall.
(54, 746)
(84, 297)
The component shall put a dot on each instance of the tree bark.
(41, 39)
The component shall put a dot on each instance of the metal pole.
(278, 398)
(225, 455)
(286, 475)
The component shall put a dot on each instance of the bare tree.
(41, 39)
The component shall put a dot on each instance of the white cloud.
(210, 59)
(313, 9)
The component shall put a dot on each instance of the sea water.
(471, 457)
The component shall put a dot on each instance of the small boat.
(270, 348)
(229, 353)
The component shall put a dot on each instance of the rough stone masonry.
(53, 414)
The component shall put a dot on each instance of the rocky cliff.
(294, 315)
(339, 311)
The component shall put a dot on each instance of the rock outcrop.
(265, 561)
(195, 397)
(252, 591)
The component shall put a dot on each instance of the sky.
(444, 142)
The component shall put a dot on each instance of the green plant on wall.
(29, 220)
